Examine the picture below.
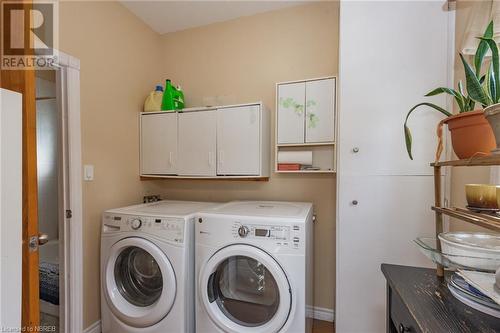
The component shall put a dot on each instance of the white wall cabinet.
(159, 144)
(306, 121)
(306, 111)
(197, 143)
(219, 142)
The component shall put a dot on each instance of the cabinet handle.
(403, 329)
(354, 202)
(355, 150)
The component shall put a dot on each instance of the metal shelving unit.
(484, 220)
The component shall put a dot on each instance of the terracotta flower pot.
(471, 134)
(492, 114)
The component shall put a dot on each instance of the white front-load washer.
(254, 267)
(147, 267)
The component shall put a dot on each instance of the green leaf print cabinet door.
(291, 99)
(320, 112)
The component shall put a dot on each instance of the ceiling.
(169, 16)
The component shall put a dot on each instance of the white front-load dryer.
(147, 267)
(254, 268)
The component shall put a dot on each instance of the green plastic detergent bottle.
(178, 98)
(167, 103)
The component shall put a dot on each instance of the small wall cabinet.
(306, 121)
(219, 142)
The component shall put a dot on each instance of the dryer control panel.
(288, 236)
(167, 228)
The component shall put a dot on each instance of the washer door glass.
(139, 282)
(245, 291)
(138, 276)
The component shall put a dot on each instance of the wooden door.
(320, 111)
(290, 113)
(159, 144)
(238, 143)
(197, 143)
(23, 81)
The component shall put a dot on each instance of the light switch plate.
(88, 172)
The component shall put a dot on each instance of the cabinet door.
(379, 227)
(290, 113)
(371, 119)
(197, 143)
(158, 144)
(320, 111)
(238, 140)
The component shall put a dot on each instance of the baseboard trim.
(319, 313)
(94, 328)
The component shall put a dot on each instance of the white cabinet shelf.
(305, 144)
(223, 142)
(306, 122)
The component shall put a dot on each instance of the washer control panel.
(288, 236)
(168, 228)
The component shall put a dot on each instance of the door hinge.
(69, 213)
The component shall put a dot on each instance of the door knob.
(355, 150)
(42, 239)
(354, 202)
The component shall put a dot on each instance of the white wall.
(10, 209)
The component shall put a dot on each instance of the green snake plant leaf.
(491, 84)
(474, 88)
(482, 49)
(472, 104)
(468, 102)
(408, 137)
(459, 98)
(494, 64)
(461, 88)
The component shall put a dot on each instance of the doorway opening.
(50, 177)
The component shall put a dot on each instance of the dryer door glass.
(138, 276)
(245, 291)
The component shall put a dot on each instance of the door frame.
(69, 92)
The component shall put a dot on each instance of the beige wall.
(462, 176)
(241, 61)
(119, 57)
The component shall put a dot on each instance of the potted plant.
(471, 134)
(492, 89)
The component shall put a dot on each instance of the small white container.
(472, 249)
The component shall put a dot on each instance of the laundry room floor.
(323, 327)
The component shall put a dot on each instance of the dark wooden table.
(419, 301)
